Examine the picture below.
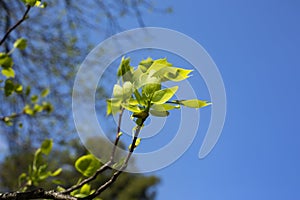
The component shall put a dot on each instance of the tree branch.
(104, 167)
(16, 25)
(36, 194)
(117, 173)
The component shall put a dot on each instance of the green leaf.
(127, 90)
(141, 115)
(161, 96)
(5, 61)
(37, 108)
(34, 98)
(9, 87)
(8, 72)
(46, 106)
(45, 92)
(158, 65)
(117, 91)
(21, 43)
(56, 172)
(30, 2)
(164, 107)
(85, 189)
(27, 110)
(125, 70)
(87, 165)
(159, 113)
(113, 106)
(132, 108)
(145, 64)
(150, 88)
(46, 146)
(39, 4)
(18, 88)
(194, 103)
(177, 74)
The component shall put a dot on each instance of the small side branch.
(16, 25)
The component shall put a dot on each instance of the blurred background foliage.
(58, 41)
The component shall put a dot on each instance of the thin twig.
(16, 25)
(118, 135)
(117, 173)
(104, 167)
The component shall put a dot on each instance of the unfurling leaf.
(125, 69)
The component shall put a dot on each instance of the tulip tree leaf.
(161, 96)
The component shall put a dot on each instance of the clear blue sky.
(256, 46)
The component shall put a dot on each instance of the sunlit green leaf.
(127, 90)
(113, 106)
(27, 110)
(56, 172)
(21, 43)
(117, 91)
(18, 88)
(159, 113)
(145, 64)
(87, 165)
(178, 75)
(158, 65)
(164, 107)
(161, 96)
(193, 103)
(8, 72)
(150, 88)
(132, 108)
(125, 70)
(30, 2)
(45, 92)
(85, 189)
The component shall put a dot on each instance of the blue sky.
(256, 46)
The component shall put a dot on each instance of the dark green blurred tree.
(58, 42)
(127, 187)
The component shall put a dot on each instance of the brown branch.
(104, 167)
(36, 194)
(16, 25)
(117, 173)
